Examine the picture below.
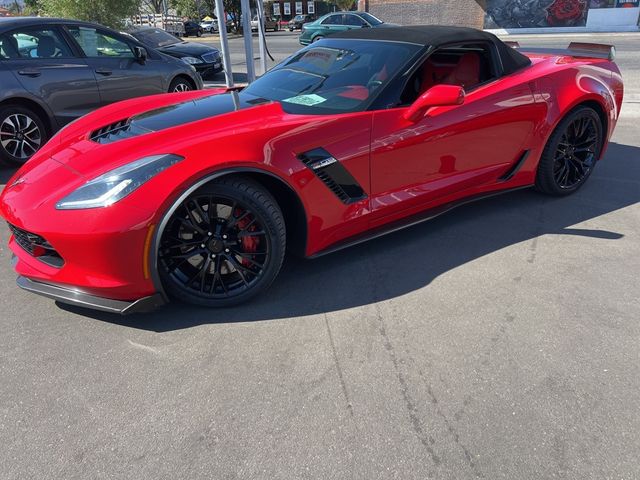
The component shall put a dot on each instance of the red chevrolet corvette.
(197, 195)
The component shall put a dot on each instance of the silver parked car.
(53, 71)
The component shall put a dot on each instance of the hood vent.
(112, 132)
(331, 172)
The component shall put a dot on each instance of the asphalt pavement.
(499, 341)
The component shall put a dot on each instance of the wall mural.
(535, 13)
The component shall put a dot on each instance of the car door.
(333, 23)
(354, 21)
(47, 67)
(119, 74)
(452, 149)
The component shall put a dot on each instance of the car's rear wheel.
(22, 133)
(571, 153)
(223, 244)
(180, 84)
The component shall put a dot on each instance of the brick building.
(518, 15)
(468, 13)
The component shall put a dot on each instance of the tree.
(32, 7)
(188, 8)
(152, 6)
(344, 4)
(107, 12)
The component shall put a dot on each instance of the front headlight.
(113, 186)
(191, 60)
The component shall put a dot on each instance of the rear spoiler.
(575, 49)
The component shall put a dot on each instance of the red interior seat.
(467, 72)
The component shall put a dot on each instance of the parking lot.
(497, 341)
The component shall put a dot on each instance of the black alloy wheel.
(21, 134)
(223, 244)
(571, 153)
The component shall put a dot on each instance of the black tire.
(181, 84)
(198, 34)
(222, 260)
(22, 134)
(571, 153)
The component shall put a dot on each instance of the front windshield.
(370, 18)
(333, 76)
(156, 37)
(299, 18)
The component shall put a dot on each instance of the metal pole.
(224, 42)
(261, 39)
(248, 42)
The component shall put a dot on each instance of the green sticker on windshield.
(308, 100)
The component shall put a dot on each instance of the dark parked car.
(205, 59)
(192, 28)
(338, 22)
(53, 71)
(296, 22)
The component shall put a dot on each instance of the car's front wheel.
(571, 153)
(223, 244)
(180, 85)
(22, 133)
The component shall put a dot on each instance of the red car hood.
(126, 131)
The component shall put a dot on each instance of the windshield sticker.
(308, 100)
(321, 57)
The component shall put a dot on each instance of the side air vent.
(513, 169)
(333, 175)
(113, 132)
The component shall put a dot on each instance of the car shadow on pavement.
(411, 259)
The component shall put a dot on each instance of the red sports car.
(196, 196)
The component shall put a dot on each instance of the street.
(498, 341)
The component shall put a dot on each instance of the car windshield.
(370, 18)
(155, 37)
(333, 76)
(299, 18)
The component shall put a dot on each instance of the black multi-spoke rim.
(214, 247)
(576, 152)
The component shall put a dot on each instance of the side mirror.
(140, 54)
(436, 96)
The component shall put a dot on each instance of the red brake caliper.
(249, 243)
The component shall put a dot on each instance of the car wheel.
(180, 84)
(291, 29)
(22, 133)
(318, 38)
(223, 244)
(571, 153)
(198, 33)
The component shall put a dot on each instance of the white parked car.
(209, 26)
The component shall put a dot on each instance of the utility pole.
(224, 42)
(261, 39)
(248, 42)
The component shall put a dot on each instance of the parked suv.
(269, 24)
(53, 71)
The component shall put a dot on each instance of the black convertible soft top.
(440, 35)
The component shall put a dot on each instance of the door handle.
(30, 72)
(104, 71)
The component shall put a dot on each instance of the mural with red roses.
(535, 13)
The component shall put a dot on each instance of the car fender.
(182, 192)
(564, 90)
